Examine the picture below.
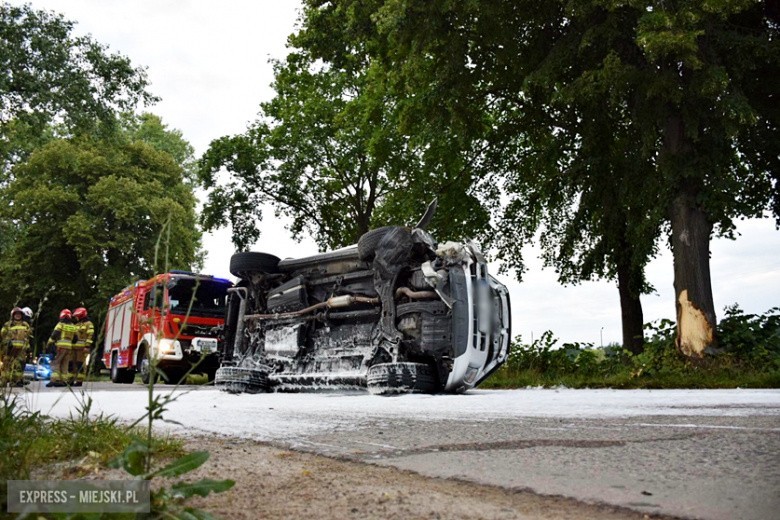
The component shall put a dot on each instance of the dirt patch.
(276, 483)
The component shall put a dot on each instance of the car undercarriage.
(396, 313)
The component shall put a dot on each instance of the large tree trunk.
(690, 247)
(692, 286)
(631, 315)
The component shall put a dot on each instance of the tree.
(584, 166)
(568, 87)
(88, 214)
(150, 129)
(326, 154)
(48, 75)
(463, 93)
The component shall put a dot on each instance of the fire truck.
(170, 322)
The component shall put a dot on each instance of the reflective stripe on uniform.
(86, 333)
(17, 332)
(67, 332)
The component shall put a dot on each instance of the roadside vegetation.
(748, 356)
(35, 446)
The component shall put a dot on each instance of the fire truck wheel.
(145, 368)
(120, 375)
(253, 262)
(114, 370)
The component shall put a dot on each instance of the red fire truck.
(171, 318)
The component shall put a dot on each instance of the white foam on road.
(286, 417)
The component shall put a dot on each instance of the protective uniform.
(83, 345)
(63, 337)
(27, 316)
(15, 342)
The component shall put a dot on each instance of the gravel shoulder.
(278, 483)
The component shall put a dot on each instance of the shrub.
(748, 355)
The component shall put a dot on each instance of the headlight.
(471, 375)
(166, 346)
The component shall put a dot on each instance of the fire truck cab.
(171, 318)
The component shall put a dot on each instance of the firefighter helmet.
(80, 313)
(65, 314)
(15, 310)
(28, 312)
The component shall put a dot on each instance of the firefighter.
(15, 341)
(62, 338)
(83, 346)
(27, 316)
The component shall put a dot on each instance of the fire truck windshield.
(208, 297)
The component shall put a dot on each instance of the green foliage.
(86, 214)
(753, 338)
(749, 357)
(18, 430)
(168, 502)
(150, 129)
(30, 441)
(328, 153)
(596, 119)
(49, 75)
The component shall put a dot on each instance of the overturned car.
(396, 314)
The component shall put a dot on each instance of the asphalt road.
(718, 468)
(694, 454)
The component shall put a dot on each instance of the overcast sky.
(209, 62)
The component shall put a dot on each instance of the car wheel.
(345, 258)
(368, 242)
(253, 262)
(401, 378)
(237, 380)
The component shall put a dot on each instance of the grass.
(506, 377)
(31, 443)
(31, 440)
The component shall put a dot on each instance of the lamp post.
(601, 336)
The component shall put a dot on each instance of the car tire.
(368, 242)
(237, 380)
(401, 378)
(345, 256)
(251, 262)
